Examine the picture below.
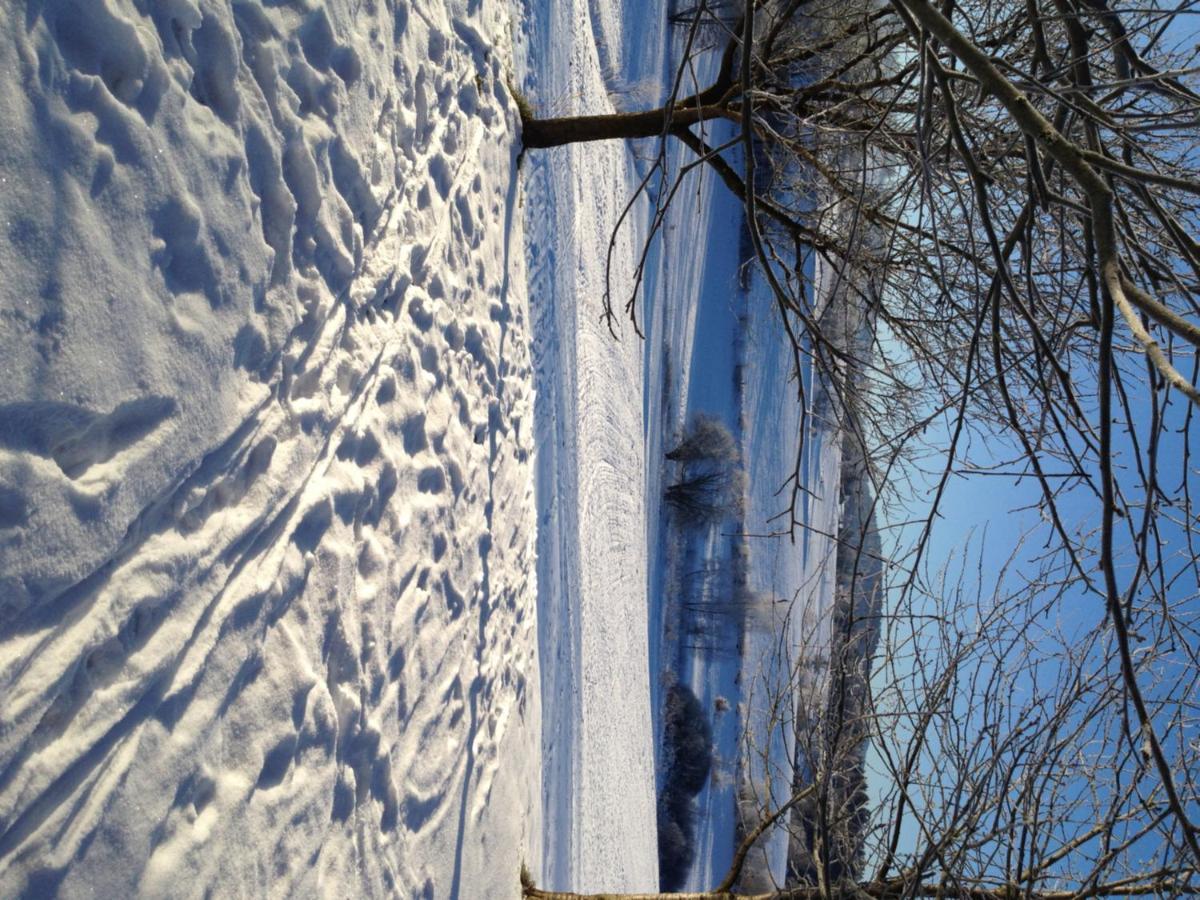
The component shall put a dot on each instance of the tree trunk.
(536, 894)
(539, 133)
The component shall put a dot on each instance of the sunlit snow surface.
(267, 521)
(598, 801)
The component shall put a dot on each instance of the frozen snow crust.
(267, 580)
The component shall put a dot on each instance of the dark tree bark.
(555, 132)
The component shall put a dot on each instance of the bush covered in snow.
(676, 834)
(706, 438)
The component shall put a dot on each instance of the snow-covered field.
(713, 324)
(598, 800)
(791, 576)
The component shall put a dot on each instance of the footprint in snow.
(75, 437)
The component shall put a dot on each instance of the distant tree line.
(687, 743)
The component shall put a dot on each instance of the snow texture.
(598, 800)
(267, 516)
(284, 587)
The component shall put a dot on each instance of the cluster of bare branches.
(1003, 195)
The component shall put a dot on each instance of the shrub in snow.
(676, 832)
(758, 611)
(713, 482)
(706, 438)
(688, 737)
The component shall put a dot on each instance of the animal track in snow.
(280, 637)
(75, 437)
(429, 361)
(312, 527)
(95, 41)
(361, 449)
(182, 256)
(231, 489)
(439, 170)
(14, 508)
(352, 184)
(214, 83)
(431, 480)
(467, 219)
(413, 433)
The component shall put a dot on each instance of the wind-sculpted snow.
(266, 513)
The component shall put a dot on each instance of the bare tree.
(1002, 194)
(1004, 750)
(706, 496)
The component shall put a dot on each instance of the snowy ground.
(267, 580)
(598, 801)
(712, 325)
